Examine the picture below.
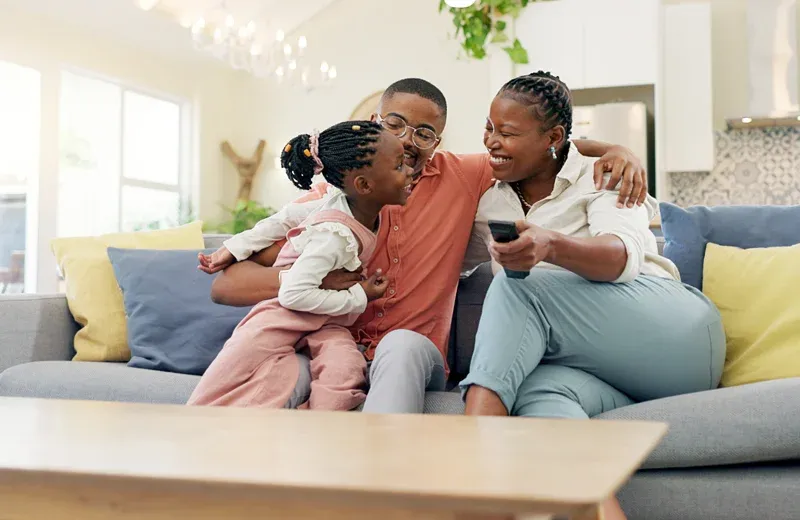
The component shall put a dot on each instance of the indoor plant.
(484, 23)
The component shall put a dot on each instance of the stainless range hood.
(772, 60)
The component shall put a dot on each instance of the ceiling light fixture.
(252, 46)
(459, 3)
(147, 5)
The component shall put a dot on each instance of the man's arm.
(622, 164)
(247, 283)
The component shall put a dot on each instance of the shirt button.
(396, 260)
(391, 291)
(380, 315)
(396, 228)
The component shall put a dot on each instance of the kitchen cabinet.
(548, 30)
(592, 43)
(686, 88)
(620, 42)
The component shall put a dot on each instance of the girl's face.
(516, 142)
(388, 180)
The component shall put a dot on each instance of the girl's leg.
(257, 366)
(338, 370)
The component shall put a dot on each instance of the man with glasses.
(421, 248)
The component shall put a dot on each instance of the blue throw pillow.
(687, 231)
(173, 325)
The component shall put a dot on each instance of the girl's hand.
(375, 286)
(340, 280)
(534, 245)
(216, 261)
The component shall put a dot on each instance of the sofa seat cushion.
(119, 382)
(95, 382)
(737, 425)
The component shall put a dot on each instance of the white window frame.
(184, 186)
(41, 274)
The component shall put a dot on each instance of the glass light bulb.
(332, 73)
(287, 49)
(279, 36)
(218, 35)
(198, 26)
(279, 72)
(324, 67)
(302, 42)
(292, 65)
(459, 3)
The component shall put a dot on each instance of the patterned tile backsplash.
(758, 166)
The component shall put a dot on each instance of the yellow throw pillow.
(93, 296)
(756, 291)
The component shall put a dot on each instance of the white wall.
(372, 43)
(45, 44)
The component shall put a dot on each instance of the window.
(120, 164)
(20, 116)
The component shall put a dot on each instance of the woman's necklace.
(518, 189)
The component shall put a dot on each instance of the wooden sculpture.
(247, 167)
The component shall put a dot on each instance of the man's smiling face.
(418, 112)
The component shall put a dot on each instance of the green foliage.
(481, 24)
(243, 216)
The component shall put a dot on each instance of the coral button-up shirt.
(420, 248)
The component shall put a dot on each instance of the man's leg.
(406, 364)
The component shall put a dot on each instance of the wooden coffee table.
(92, 460)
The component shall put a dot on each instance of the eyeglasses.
(423, 138)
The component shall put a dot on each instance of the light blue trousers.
(557, 345)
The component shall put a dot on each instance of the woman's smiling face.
(516, 140)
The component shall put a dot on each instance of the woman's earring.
(553, 153)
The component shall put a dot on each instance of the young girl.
(257, 366)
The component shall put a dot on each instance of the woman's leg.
(338, 370)
(649, 338)
(556, 391)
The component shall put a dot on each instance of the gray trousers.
(406, 365)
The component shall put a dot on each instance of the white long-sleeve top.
(322, 248)
(575, 208)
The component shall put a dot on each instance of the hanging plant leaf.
(517, 53)
(481, 24)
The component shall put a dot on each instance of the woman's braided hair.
(343, 147)
(550, 97)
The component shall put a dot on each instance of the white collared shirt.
(576, 209)
(323, 247)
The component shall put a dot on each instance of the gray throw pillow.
(173, 325)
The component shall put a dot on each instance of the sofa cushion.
(173, 325)
(108, 382)
(687, 231)
(760, 310)
(95, 382)
(737, 425)
(92, 293)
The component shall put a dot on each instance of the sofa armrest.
(35, 328)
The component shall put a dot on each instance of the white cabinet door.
(552, 33)
(621, 39)
(687, 89)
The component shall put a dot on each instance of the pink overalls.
(257, 365)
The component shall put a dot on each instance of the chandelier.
(253, 46)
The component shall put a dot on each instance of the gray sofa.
(731, 454)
